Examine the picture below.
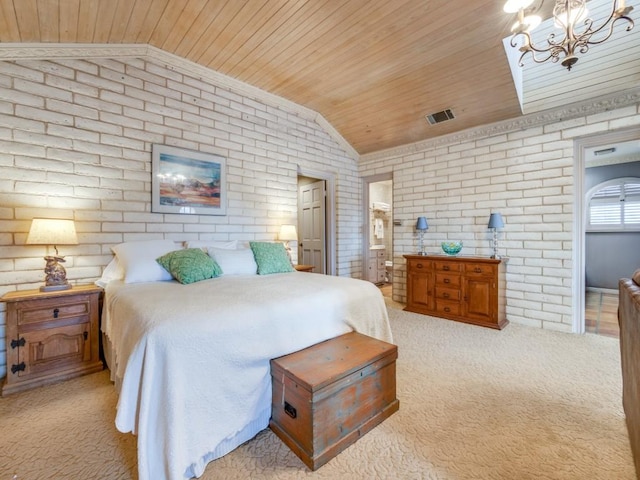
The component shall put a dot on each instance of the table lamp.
(495, 222)
(51, 231)
(421, 227)
(288, 233)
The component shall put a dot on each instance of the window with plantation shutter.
(614, 205)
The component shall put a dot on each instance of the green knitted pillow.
(271, 258)
(190, 265)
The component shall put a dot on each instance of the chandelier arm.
(536, 59)
(556, 47)
(623, 17)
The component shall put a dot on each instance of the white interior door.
(311, 215)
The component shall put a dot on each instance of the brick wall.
(526, 175)
(75, 142)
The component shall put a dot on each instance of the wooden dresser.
(466, 289)
(51, 336)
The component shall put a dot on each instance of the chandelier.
(571, 17)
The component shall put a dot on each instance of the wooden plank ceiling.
(372, 68)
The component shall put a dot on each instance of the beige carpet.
(474, 404)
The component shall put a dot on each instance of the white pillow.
(138, 259)
(234, 262)
(113, 271)
(230, 245)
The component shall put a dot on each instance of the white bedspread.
(191, 362)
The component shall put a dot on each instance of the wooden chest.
(328, 395)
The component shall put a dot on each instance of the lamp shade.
(288, 232)
(495, 221)
(52, 231)
(421, 224)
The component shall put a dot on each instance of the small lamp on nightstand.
(50, 231)
(495, 222)
(288, 233)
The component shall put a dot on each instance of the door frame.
(580, 216)
(366, 223)
(330, 214)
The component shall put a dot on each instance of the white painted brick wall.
(75, 142)
(527, 175)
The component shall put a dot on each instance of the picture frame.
(187, 182)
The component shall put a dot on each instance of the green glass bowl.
(451, 248)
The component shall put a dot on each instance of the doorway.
(316, 221)
(311, 223)
(598, 159)
(378, 232)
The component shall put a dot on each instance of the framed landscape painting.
(187, 182)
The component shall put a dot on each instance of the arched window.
(614, 205)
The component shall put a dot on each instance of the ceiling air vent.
(440, 117)
(605, 151)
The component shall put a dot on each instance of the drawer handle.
(56, 312)
(85, 335)
(446, 280)
(290, 410)
(446, 268)
(447, 309)
(21, 342)
(477, 270)
(445, 295)
(419, 265)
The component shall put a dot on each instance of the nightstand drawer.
(46, 310)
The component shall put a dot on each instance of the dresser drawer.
(447, 293)
(380, 253)
(448, 280)
(479, 269)
(448, 308)
(444, 266)
(418, 265)
(46, 310)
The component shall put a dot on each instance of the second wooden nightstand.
(51, 336)
(304, 268)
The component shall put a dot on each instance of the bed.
(191, 361)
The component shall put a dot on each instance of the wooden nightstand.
(304, 268)
(51, 336)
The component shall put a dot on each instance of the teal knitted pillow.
(190, 265)
(271, 258)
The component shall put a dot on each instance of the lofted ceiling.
(371, 68)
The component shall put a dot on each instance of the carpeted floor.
(475, 403)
